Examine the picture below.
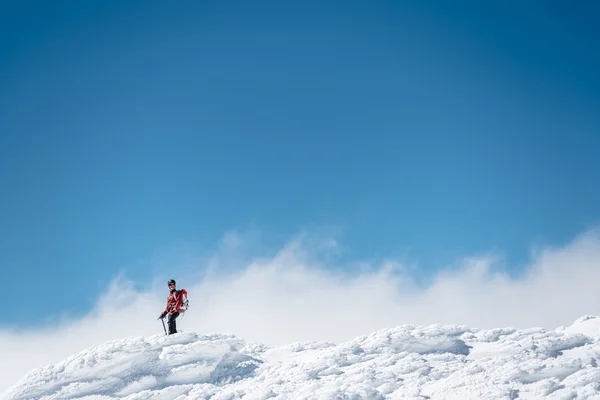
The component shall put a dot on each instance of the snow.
(406, 362)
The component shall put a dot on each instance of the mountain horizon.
(427, 362)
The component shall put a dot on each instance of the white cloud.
(297, 294)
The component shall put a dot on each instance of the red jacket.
(174, 301)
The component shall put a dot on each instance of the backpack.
(185, 303)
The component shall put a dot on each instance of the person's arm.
(166, 307)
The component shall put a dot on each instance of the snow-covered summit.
(407, 362)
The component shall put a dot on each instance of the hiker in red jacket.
(173, 308)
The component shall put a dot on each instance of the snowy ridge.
(407, 362)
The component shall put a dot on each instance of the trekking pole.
(163, 321)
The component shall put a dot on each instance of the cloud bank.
(300, 293)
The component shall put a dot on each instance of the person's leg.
(172, 323)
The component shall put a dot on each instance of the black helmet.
(171, 281)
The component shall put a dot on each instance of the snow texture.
(407, 362)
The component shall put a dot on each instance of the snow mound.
(588, 325)
(430, 362)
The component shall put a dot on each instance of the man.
(173, 308)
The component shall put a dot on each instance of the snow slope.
(407, 362)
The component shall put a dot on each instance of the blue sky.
(129, 130)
